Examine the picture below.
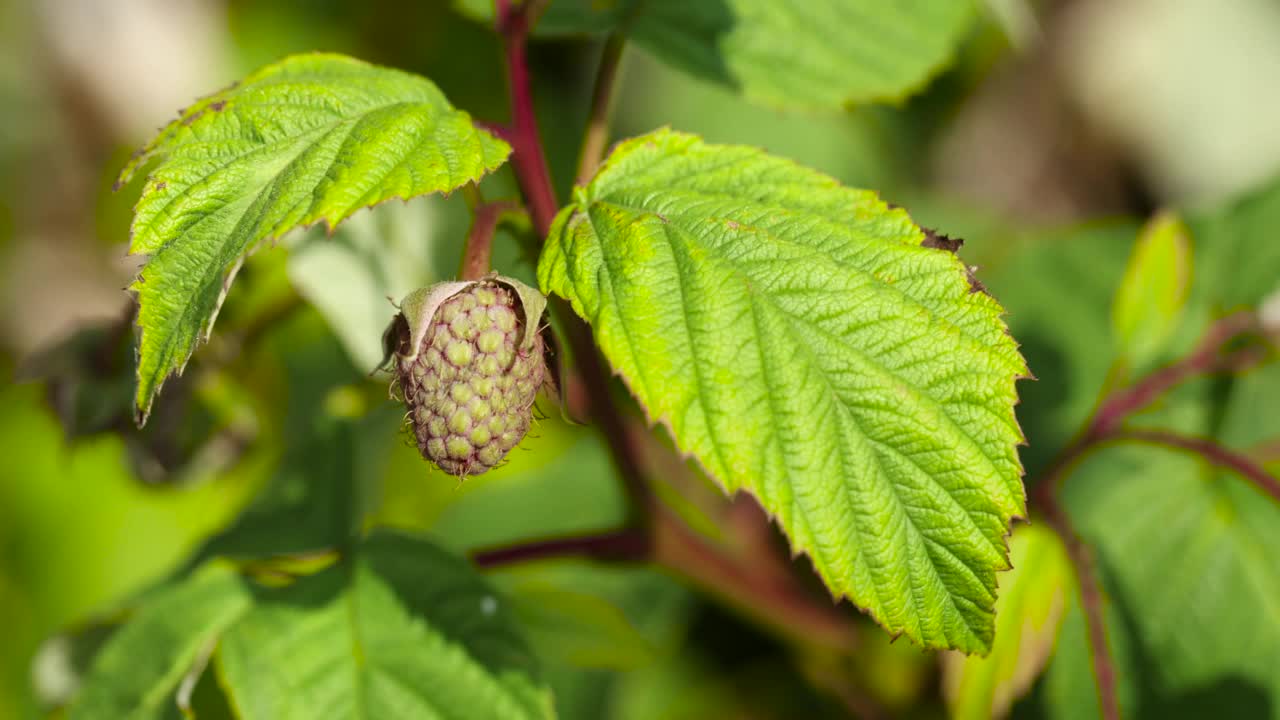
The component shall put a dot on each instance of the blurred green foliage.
(278, 415)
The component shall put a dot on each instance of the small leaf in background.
(1185, 552)
(206, 423)
(577, 629)
(374, 258)
(136, 675)
(798, 340)
(398, 629)
(1149, 302)
(309, 139)
(1188, 558)
(804, 55)
(1033, 598)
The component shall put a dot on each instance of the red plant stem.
(1090, 591)
(618, 545)
(1209, 450)
(769, 598)
(535, 184)
(479, 248)
(1206, 358)
(605, 412)
(1106, 426)
(528, 159)
(1266, 452)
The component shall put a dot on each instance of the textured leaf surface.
(401, 629)
(136, 675)
(1032, 601)
(794, 54)
(310, 139)
(800, 342)
(1076, 348)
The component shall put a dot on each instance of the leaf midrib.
(193, 310)
(884, 242)
(884, 478)
(886, 481)
(736, 270)
(281, 145)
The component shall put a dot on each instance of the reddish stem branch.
(606, 414)
(535, 185)
(1208, 357)
(1090, 593)
(1105, 426)
(479, 248)
(770, 598)
(628, 544)
(529, 161)
(1265, 452)
(1209, 450)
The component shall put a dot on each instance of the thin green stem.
(596, 136)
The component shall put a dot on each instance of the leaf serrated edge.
(894, 98)
(582, 196)
(144, 155)
(142, 411)
(933, 72)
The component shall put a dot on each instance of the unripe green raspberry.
(468, 358)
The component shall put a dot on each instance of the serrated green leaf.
(1149, 302)
(398, 629)
(309, 139)
(1032, 601)
(812, 55)
(137, 673)
(1058, 287)
(799, 341)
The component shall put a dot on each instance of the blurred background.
(1060, 124)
